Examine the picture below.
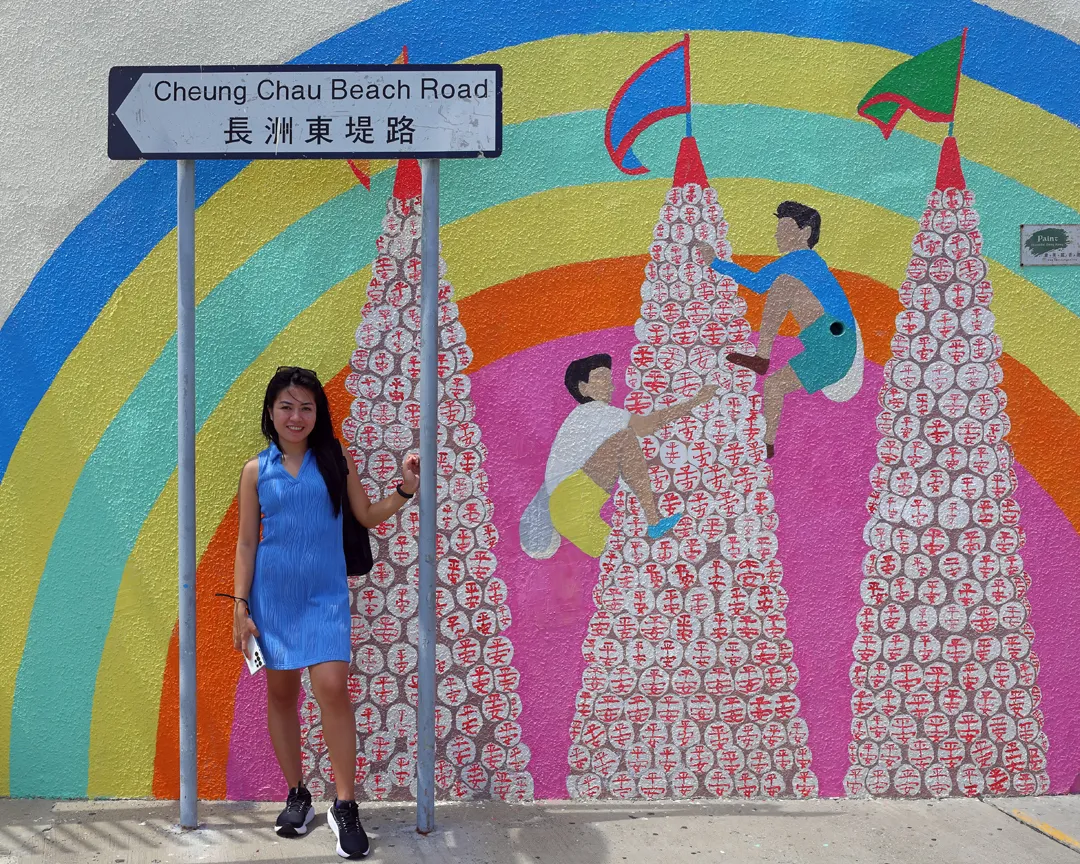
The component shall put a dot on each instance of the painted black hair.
(803, 216)
(578, 372)
(322, 442)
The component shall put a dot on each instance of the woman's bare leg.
(283, 721)
(330, 683)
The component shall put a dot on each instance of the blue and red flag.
(659, 89)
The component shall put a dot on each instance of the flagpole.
(956, 90)
(686, 72)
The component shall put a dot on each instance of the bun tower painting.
(479, 748)
(945, 699)
(689, 682)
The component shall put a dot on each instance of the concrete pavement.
(814, 832)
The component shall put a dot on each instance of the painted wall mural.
(742, 394)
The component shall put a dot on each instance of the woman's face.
(294, 414)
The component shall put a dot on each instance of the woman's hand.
(242, 628)
(410, 474)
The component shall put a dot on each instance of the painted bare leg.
(621, 456)
(786, 295)
(776, 388)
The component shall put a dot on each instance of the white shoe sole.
(299, 831)
(334, 827)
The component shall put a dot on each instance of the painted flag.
(659, 89)
(926, 85)
(362, 167)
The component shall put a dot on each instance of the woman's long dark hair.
(322, 442)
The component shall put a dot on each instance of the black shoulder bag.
(354, 536)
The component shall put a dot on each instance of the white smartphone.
(255, 662)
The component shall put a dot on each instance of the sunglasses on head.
(299, 369)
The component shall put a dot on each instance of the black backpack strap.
(355, 540)
(346, 469)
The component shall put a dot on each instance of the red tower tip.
(407, 183)
(688, 167)
(949, 172)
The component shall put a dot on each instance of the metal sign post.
(185, 465)
(185, 113)
(429, 419)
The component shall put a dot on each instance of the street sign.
(186, 113)
(305, 112)
(1049, 245)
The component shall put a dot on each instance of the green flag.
(926, 85)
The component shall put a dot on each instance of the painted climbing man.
(799, 282)
(595, 446)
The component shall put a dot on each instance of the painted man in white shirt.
(595, 446)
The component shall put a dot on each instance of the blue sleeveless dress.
(300, 593)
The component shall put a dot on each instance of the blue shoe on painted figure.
(663, 526)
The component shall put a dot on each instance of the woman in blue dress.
(291, 587)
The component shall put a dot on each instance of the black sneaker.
(344, 819)
(297, 815)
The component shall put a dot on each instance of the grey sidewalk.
(834, 831)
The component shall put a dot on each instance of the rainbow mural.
(546, 246)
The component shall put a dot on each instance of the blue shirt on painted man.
(802, 264)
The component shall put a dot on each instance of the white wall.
(55, 66)
(1061, 16)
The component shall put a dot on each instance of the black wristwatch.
(403, 493)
